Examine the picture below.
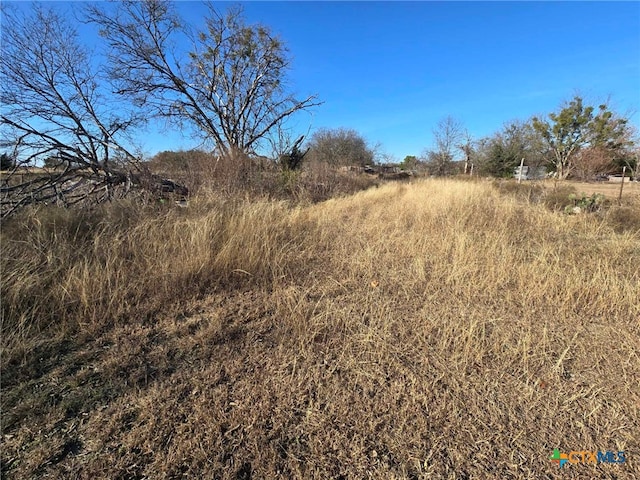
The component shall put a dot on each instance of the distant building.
(530, 173)
(615, 178)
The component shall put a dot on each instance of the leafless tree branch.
(57, 109)
(230, 86)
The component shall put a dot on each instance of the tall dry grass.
(65, 269)
(439, 329)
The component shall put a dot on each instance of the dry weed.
(438, 329)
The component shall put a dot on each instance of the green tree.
(566, 133)
(613, 139)
(410, 162)
(575, 127)
(53, 162)
(499, 154)
(292, 160)
(495, 159)
(173, 161)
(609, 131)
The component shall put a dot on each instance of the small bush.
(559, 198)
(531, 192)
(320, 181)
(624, 218)
(584, 203)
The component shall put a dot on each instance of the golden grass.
(609, 189)
(438, 329)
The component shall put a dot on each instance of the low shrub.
(585, 203)
(559, 197)
(528, 191)
(624, 218)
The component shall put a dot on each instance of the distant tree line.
(579, 141)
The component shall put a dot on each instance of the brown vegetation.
(437, 329)
(257, 177)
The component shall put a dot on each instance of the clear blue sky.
(391, 70)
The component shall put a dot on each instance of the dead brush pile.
(433, 330)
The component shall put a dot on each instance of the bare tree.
(466, 147)
(230, 87)
(55, 109)
(449, 135)
(340, 147)
(280, 139)
(592, 161)
(285, 142)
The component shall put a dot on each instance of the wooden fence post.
(624, 169)
(521, 167)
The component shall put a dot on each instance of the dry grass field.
(609, 189)
(436, 329)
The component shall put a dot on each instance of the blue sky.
(391, 70)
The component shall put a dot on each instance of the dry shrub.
(624, 218)
(315, 183)
(194, 168)
(225, 175)
(435, 329)
(260, 178)
(553, 196)
(320, 181)
(591, 162)
(528, 191)
(558, 198)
